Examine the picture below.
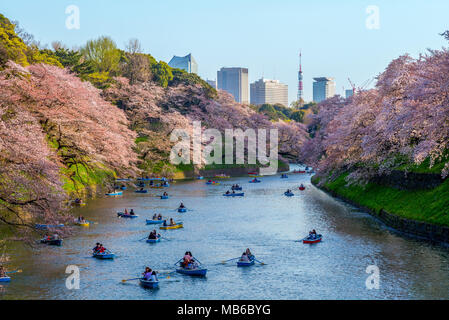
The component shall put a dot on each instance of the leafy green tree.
(297, 115)
(162, 73)
(104, 55)
(12, 45)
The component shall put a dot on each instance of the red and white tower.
(300, 87)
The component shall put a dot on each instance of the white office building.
(234, 81)
(265, 91)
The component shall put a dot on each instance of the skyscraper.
(269, 91)
(323, 88)
(186, 63)
(234, 81)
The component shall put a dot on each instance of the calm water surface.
(219, 228)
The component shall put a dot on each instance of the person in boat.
(154, 277)
(152, 235)
(154, 216)
(55, 237)
(227, 192)
(159, 217)
(147, 274)
(141, 189)
(101, 249)
(233, 191)
(2, 272)
(151, 183)
(172, 222)
(165, 223)
(248, 252)
(186, 260)
(165, 194)
(126, 211)
(132, 212)
(209, 181)
(96, 248)
(301, 186)
(244, 257)
(181, 206)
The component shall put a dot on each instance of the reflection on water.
(219, 228)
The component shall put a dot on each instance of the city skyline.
(334, 37)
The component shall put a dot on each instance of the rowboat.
(299, 171)
(289, 194)
(55, 242)
(141, 191)
(112, 194)
(176, 226)
(166, 185)
(234, 194)
(197, 272)
(149, 284)
(284, 177)
(212, 182)
(181, 210)
(123, 188)
(311, 240)
(246, 263)
(154, 240)
(302, 188)
(84, 224)
(164, 197)
(5, 279)
(48, 226)
(123, 215)
(156, 187)
(255, 181)
(252, 173)
(256, 176)
(104, 255)
(200, 178)
(237, 188)
(155, 221)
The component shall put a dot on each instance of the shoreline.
(408, 227)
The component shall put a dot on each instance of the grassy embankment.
(430, 206)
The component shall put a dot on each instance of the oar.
(223, 262)
(124, 280)
(93, 222)
(178, 261)
(165, 238)
(15, 271)
(197, 260)
(262, 263)
(142, 239)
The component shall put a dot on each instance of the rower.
(181, 206)
(126, 211)
(165, 194)
(154, 216)
(147, 274)
(159, 217)
(244, 257)
(172, 222)
(132, 212)
(97, 247)
(2, 272)
(227, 192)
(152, 235)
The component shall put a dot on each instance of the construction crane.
(353, 86)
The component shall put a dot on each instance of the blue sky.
(264, 36)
